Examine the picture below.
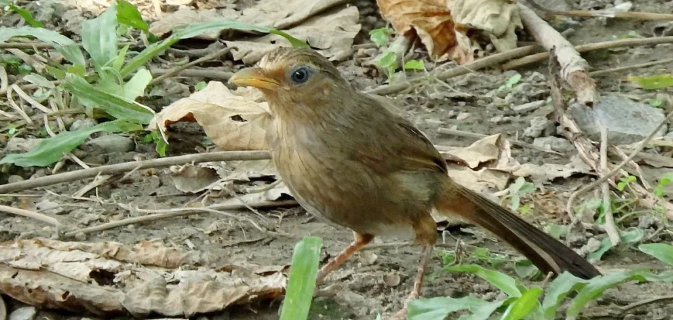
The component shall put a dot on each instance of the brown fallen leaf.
(498, 19)
(109, 278)
(232, 120)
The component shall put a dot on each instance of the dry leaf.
(291, 13)
(194, 178)
(186, 15)
(331, 34)
(109, 278)
(258, 194)
(429, 19)
(499, 19)
(232, 120)
(550, 171)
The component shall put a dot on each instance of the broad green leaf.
(136, 86)
(558, 290)
(513, 80)
(301, 283)
(148, 53)
(525, 269)
(388, 61)
(52, 149)
(524, 305)
(629, 236)
(114, 105)
(39, 80)
(653, 82)
(99, 37)
(23, 13)
(499, 280)
(596, 286)
(666, 276)
(68, 48)
(484, 311)
(379, 36)
(414, 65)
(129, 15)
(200, 85)
(661, 251)
(438, 308)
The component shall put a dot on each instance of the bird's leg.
(418, 283)
(360, 241)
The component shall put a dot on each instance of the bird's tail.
(547, 253)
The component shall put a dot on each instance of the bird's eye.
(300, 74)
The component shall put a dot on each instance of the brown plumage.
(352, 162)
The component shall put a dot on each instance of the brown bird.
(350, 161)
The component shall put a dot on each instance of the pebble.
(24, 313)
(539, 126)
(82, 123)
(627, 121)
(554, 143)
(463, 116)
(110, 143)
(14, 178)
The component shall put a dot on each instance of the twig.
(604, 13)
(177, 70)
(480, 136)
(177, 213)
(573, 66)
(30, 214)
(610, 227)
(631, 67)
(619, 312)
(482, 63)
(588, 47)
(128, 166)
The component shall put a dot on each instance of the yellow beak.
(253, 77)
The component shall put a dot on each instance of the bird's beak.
(253, 77)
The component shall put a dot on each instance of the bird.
(351, 161)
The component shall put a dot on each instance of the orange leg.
(360, 241)
(418, 283)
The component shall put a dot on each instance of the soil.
(366, 290)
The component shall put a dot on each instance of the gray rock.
(14, 178)
(109, 144)
(554, 143)
(463, 116)
(25, 313)
(82, 123)
(627, 121)
(539, 126)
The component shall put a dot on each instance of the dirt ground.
(366, 290)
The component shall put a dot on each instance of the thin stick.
(177, 213)
(177, 70)
(650, 16)
(128, 166)
(610, 226)
(631, 67)
(480, 136)
(573, 66)
(586, 48)
(30, 214)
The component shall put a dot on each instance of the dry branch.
(573, 66)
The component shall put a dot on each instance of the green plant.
(517, 190)
(23, 13)
(511, 82)
(388, 60)
(301, 283)
(624, 182)
(663, 181)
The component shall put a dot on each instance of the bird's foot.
(402, 313)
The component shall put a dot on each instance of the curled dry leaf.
(498, 19)
(232, 120)
(195, 178)
(109, 278)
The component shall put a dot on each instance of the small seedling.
(664, 181)
(380, 36)
(655, 102)
(624, 182)
(517, 190)
(511, 82)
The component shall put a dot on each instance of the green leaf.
(387, 60)
(596, 286)
(39, 80)
(524, 305)
(655, 102)
(525, 269)
(653, 82)
(114, 105)
(558, 290)
(23, 13)
(118, 62)
(379, 36)
(661, 251)
(99, 37)
(200, 85)
(484, 311)
(500, 280)
(68, 48)
(148, 53)
(438, 308)
(414, 65)
(129, 15)
(195, 29)
(303, 273)
(136, 86)
(629, 236)
(51, 150)
(513, 80)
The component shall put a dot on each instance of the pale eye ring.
(300, 74)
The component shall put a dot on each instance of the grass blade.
(65, 46)
(661, 251)
(129, 15)
(596, 286)
(23, 13)
(438, 308)
(99, 37)
(52, 149)
(303, 273)
(558, 290)
(114, 105)
(524, 305)
(500, 280)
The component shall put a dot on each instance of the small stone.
(554, 143)
(82, 123)
(527, 107)
(537, 77)
(25, 313)
(497, 119)
(539, 126)
(14, 178)
(463, 116)
(627, 121)
(452, 114)
(110, 143)
(80, 236)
